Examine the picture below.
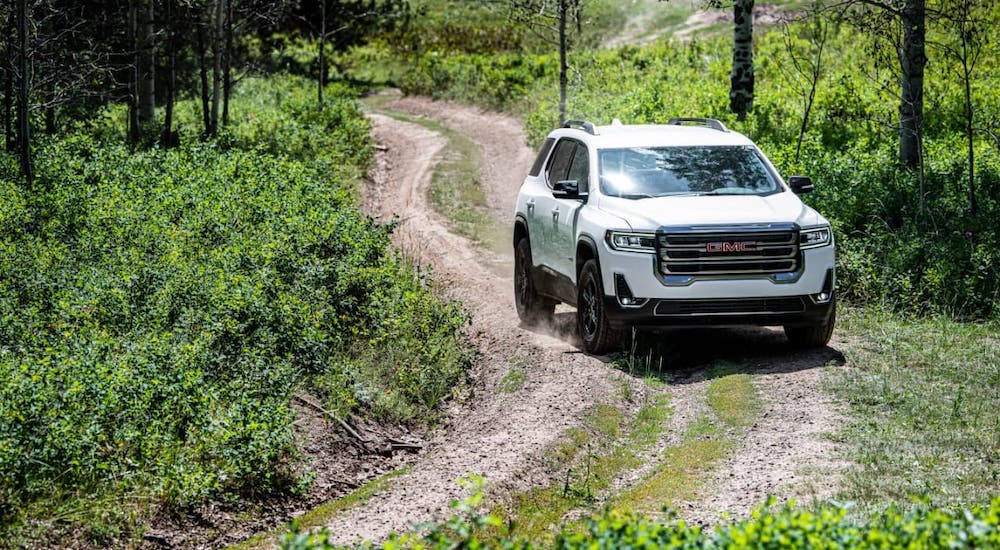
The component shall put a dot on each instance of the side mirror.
(801, 184)
(568, 189)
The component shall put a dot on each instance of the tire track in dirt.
(503, 436)
(785, 453)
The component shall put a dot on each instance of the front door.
(547, 209)
(566, 213)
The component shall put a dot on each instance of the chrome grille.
(728, 252)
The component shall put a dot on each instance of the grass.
(590, 458)
(322, 514)
(515, 378)
(925, 401)
(683, 468)
(734, 400)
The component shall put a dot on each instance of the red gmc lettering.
(729, 247)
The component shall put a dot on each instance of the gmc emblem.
(745, 246)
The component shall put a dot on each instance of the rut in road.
(503, 436)
(498, 435)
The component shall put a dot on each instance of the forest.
(183, 253)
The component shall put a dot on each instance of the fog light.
(624, 293)
(826, 294)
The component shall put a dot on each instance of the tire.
(531, 308)
(592, 321)
(815, 336)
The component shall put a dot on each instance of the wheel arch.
(586, 249)
(520, 230)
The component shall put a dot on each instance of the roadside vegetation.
(917, 269)
(926, 403)
(166, 289)
(908, 240)
(767, 527)
(159, 309)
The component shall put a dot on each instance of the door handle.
(555, 215)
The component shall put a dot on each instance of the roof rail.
(706, 122)
(582, 125)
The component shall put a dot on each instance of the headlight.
(815, 238)
(631, 242)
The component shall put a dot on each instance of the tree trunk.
(322, 52)
(133, 80)
(23, 85)
(805, 119)
(227, 69)
(966, 73)
(741, 78)
(217, 38)
(206, 118)
(8, 85)
(563, 64)
(912, 59)
(167, 140)
(145, 68)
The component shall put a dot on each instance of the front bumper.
(769, 311)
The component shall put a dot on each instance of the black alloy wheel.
(597, 334)
(531, 308)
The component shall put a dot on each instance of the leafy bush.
(158, 309)
(829, 527)
(904, 244)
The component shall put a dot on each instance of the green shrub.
(905, 245)
(158, 309)
(785, 527)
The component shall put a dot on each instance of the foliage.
(897, 248)
(158, 309)
(769, 526)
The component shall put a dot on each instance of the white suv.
(683, 224)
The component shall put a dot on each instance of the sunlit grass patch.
(734, 399)
(322, 514)
(587, 460)
(924, 398)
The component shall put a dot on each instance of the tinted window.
(661, 171)
(540, 160)
(561, 159)
(579, 169)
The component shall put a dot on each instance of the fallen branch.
(403, 445)
(343, 424)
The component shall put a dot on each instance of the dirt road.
(503, 435)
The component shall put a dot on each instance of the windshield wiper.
(636, 196)
(722, 192)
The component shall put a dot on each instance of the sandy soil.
(503, 435)
(498, 435)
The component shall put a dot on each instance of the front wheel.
(531, 308)
(597, 334)
(815, 336)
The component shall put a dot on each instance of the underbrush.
(908, 241)
(159, 308)
(769, 526)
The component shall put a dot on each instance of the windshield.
(644, 172)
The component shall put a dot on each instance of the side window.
(579, 169)
(542, 155)
(561, 159)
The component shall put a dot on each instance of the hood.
(651, 214)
